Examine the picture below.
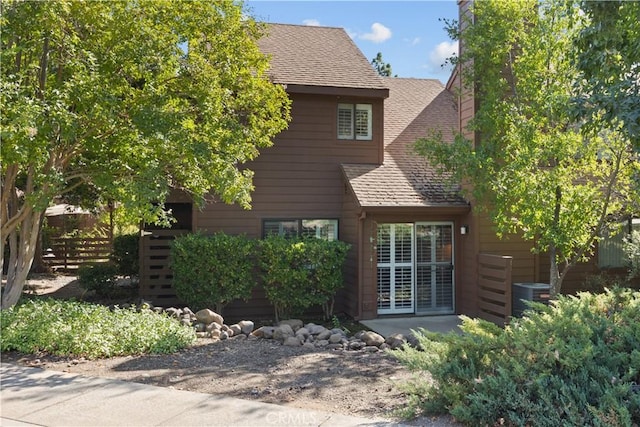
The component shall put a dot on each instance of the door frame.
(435, 312)
(414, 306)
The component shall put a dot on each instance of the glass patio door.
(395, 268)
(434, 268)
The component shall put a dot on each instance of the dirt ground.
(346, 382)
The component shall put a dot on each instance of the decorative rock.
(294, 323)
(324, 335)
(384, 346)
(264, 332)
(240, 337)
(335, 338)
(308, 346)
(187, 310)
(246, 326)
(356, 345)
(338, 331)
(371, 349)
(315, 329)
(186, 322)
(215, 333)
(252, 337)
(292, 342)
(302, 332)
(215, 326)
(335, 347)
(225, 328)
(207, 316)
(200, 327)
(395, 341)
(236, 329)
(372, 339)
(224, 335)
(174, 312)
(202, 334)
(358, 335)
(283, 332)
(322, 343)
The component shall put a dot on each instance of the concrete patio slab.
(386, 326)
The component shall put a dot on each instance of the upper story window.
(355, 121)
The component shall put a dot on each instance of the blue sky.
(408, 33)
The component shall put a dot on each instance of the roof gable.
(405, 179)
(317, 56)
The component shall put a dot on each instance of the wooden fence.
(494, 288)
(70, 253)
(155, 274)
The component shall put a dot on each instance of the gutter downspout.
(361, 218)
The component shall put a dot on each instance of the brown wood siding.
(347, 300)
(300, 176)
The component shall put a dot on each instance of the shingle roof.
(317, 56)
(406, 179)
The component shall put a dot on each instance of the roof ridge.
(304, 25)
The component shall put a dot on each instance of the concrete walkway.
(38, 397)
(386, 326)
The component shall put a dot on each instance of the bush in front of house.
(79, 329)
(211, 271)
(300, 273)
(125, 254)
(576, 362)
(99, 277)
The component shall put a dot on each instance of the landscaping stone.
(224, 335)
(294, 323)
(214, 326)
(314, 329)
(356, 345)
(207, 316)
(283, 332)
(246, 326)
(372, 339)
(264, 332)
(395, 341)
(324, 335)
(335, 346)
(335, 338)
(236, 329)
(215, 333)
(370, 348)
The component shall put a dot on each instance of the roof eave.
(381, 93)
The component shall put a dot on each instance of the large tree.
(608, 59)
(536, 168)
(127, 99)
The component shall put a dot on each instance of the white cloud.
(311, 22)
(414, 41)
(379, 33)
(439, 55)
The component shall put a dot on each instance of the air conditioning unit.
(520, 292)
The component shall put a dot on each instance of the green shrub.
(125, 254)
(300, 273)
(70, 328)
(211, 271)
(572, 363)
(99, 277)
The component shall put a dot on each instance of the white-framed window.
(355, 121)
(326, 229)
(611, 247)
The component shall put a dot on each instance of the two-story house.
(345, 169)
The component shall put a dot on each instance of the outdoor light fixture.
(464, 229)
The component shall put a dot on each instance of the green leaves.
(212, 271)
(537, 168)
(69, 328)
(572, 363)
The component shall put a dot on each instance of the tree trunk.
(555, 279)
(22, 247)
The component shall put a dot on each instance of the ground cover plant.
(576, 362)
(78, 329)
